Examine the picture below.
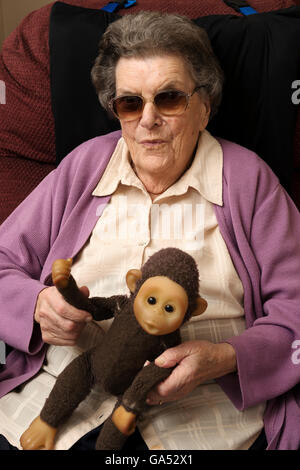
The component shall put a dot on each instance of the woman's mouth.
(152, 143)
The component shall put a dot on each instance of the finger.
(85, 290)
(160, 395)
(56, 321)
(173, 356)
(174, 383)
(177, 385)
(58, 331)
(58, 340)
(50, 301)
(155, 398)
(66, 311)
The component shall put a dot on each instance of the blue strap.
(111, 7)
(247, 11)
(241, 6)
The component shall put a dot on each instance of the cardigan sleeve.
(53, 222)
(24, 245)
(46, 223)
(265, 350)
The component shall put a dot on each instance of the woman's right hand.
(60, 322)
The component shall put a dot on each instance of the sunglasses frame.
(144, 101)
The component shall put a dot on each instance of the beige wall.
(13, 11)
(1, 26)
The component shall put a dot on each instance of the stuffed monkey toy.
(163, 295)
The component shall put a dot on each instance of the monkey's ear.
(132, 277)
(201, 306)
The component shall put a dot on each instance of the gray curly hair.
(147, 34)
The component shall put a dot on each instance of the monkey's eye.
(169, 308)
(151, 300)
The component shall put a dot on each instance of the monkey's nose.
(159, 311)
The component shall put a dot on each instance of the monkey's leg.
(110, 437)
(71, 387)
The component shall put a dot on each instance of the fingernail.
(88, 319)
(160, 361)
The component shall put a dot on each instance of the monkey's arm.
(134, 399)
(101, 308)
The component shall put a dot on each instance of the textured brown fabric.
(27, 125)
(18, 177)
(110, 438)
(135, 396)
(71, 387)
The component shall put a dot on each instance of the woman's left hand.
(197, 362)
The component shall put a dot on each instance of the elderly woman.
(165, 181)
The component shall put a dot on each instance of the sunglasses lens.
(128, 107)
(168, 103)
(171, 102)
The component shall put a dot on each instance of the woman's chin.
(157, 163)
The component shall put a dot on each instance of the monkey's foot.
(39, 435)
(61, 270)
(124, 420)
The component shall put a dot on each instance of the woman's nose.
(150, 116)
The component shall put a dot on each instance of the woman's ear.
(132, 277)
(205, 110)
(201, 306)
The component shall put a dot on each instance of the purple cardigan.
(261, 228)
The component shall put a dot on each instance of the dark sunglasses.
(168, 103)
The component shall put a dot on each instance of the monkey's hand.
(61, 270)
(39, 435)
(124, 420)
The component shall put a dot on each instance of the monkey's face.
(160, 305)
